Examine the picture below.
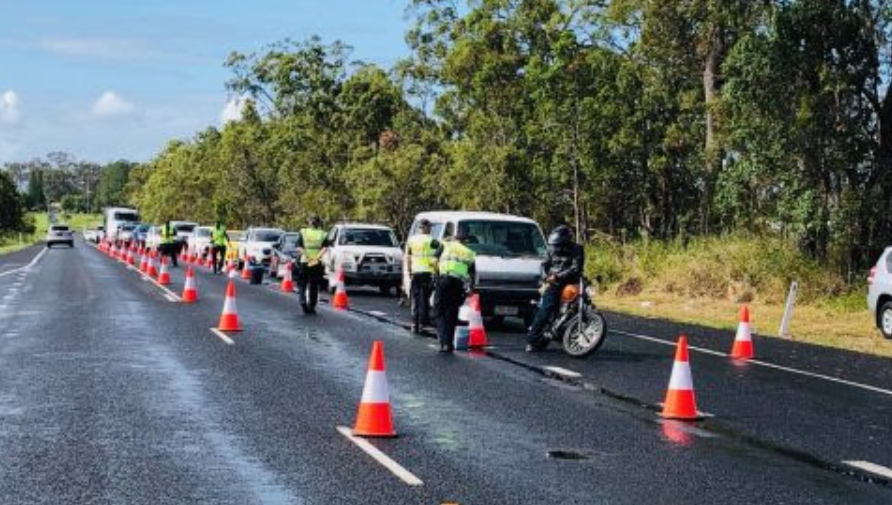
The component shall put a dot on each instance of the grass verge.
(40, 220)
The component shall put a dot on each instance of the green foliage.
(12, 207)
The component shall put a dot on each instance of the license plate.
(505, 310)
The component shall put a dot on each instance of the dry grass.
(840, 327)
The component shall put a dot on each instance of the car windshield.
(266, 236)
(367, 237)
(290, 242)
(184, 227)
(142, 228)
(59, 228)
(202, 232)
(126, 216)
(128, 227)
(504, 238)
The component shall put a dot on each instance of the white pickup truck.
(258, 245)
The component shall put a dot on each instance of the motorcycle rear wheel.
(580, 344)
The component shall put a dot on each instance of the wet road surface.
(112, 393)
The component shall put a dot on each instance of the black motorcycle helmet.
(560, 237)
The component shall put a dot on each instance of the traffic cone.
(143, 265)
(190, 293)
(229, 317)
(246, 271)
(287, 282)
(152, 271)
(374, 418)
(340, 300)
(233, 271)
(477, 333)
(164, 275)
(131, 256)
(209, 261)
(743, 341)
(680, 399)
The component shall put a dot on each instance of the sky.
(117, 79)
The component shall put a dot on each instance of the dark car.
(283, 251)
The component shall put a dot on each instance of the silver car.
(59, 234)
(879, 292)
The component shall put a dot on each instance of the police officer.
(422, 263)
(311, 243)
(456, 270)
(563, 264)
(168, 242)
(219, 240)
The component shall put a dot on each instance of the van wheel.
(884, 318)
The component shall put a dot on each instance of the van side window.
(450, 230)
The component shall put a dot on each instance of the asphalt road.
(110, 392)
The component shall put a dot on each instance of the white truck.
(117, 216)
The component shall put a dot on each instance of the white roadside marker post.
(784, 331)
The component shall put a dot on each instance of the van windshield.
(504, 238)
(126, 216)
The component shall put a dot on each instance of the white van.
(509, 251)
(116, 216)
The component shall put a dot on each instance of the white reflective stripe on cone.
(229, 306)
(743, 332)
(375, 389)
(681, 376)
(190, 282)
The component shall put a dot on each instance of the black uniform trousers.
(309, 278)
(422, 284)
(218, 257)
(449, 298)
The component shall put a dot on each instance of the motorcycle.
(577, 324)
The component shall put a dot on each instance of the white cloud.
(9, 107)
(110, 104)
(233, 110)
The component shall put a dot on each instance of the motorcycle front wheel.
(580, 344)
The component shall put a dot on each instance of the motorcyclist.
(563, 265)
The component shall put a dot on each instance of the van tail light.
(871, 276)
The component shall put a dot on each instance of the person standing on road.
(219, 240)
(563, 265)
(168, 242)
(422, 264)
(311, 243)
(456, 277)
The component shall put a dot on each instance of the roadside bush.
(733, 267)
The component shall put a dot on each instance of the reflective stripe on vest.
(422, 249)
(219, 235)
(312, 239)
(456, 259)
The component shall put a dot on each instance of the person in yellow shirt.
(422, 265)
(456, 278)
(311, 244)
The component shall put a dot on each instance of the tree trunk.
(712, 152)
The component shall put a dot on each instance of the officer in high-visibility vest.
(168, 242)
(219, 241)
(311, 244)
(421, 249)
(456, 276)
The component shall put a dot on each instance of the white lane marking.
(222, 336)
(167, 292)
(394, 467)
(377, 313)
(26, 267)
(871, 467)
(765, 364)
(170, 298)
(563, 371)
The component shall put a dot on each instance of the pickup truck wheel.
(884, 318)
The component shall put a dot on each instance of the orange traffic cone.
(743, 341)
(152, 271)
(231, 268)
(229, 317)
(374, 418)
(287, 282)
(246, 271)
(164, 275)
(477, 333)
(143, 264)
(340, 300)
(680, 401)
(190, 293)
